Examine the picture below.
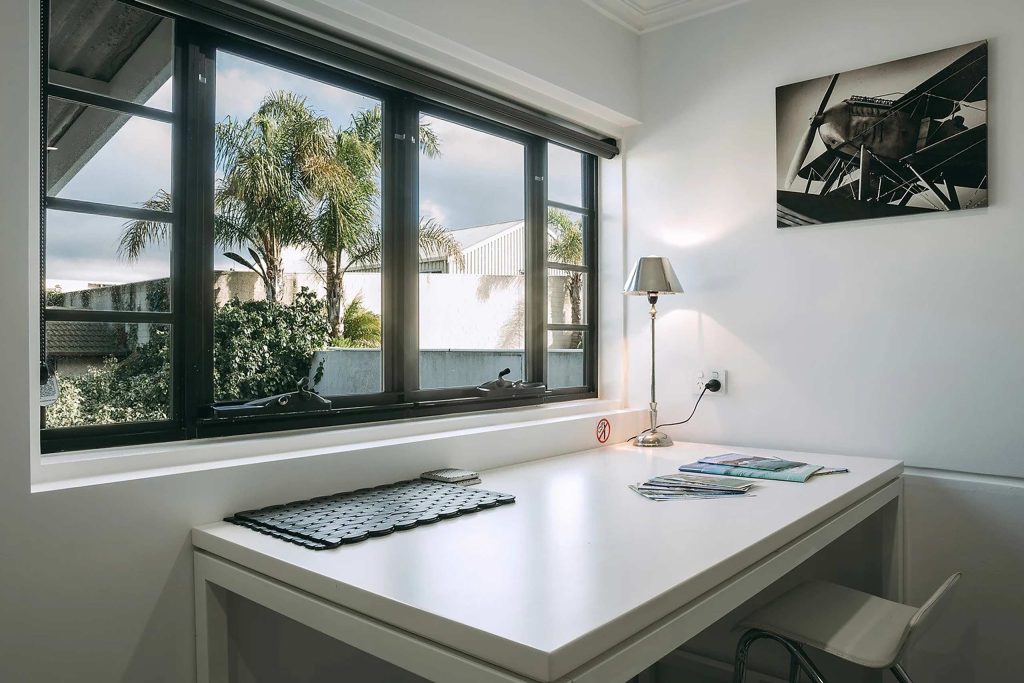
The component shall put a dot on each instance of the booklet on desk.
(754, 462)
(799, 473)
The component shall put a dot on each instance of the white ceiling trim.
(644, 16)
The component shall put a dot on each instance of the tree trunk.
(335, 297)
(274, 282)
(575, 287)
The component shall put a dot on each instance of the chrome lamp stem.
(652, 437)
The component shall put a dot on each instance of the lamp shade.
(652, 274)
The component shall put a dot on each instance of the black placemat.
(353, 516)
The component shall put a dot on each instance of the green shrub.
(262, 348)
(133, 389)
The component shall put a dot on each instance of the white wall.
(557, 56)
(95, 582)
(900, 338)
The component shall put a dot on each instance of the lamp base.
(653, 439)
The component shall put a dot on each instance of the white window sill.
(108, 465)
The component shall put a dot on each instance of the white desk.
(579, 580)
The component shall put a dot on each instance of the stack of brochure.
(758, 467)
(689, 486)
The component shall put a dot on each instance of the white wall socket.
(707, 374)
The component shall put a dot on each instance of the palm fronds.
(137, 235)
(437, 241)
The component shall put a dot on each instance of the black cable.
(673, 424)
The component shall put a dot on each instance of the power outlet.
(706, 375)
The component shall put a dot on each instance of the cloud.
(479, 178)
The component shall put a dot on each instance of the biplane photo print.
(901, 138)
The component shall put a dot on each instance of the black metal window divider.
(193, 408)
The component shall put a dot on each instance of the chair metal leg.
(798, 658)
(900, 673)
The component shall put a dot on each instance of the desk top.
(577, 565)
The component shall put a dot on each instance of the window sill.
(89, 468)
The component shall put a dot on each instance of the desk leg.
(892, 548)
(211, 630)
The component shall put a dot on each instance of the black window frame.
(200, 32)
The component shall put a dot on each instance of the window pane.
(472, 255)
(566, 237)
(297, 260)
(565, 359)
(90, 263)
(567, 297)
(109, 373)
(98, 155)
(565, 175)
(110, 48)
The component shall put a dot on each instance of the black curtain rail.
(276, 28)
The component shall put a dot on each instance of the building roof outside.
(85, 339)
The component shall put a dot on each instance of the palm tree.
(361, 325)
(273, 165)
(291, 180)
(342, 233)
(565, 245)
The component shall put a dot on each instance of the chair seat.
(855, 626)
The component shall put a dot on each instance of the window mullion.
(536, 261)
(590, 222)
(400, 263)
(192, 253)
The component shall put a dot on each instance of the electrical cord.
(713, 383)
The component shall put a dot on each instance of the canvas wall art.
(901, 138)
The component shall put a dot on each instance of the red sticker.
(604, 430)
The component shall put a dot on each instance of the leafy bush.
(262, 348)
(133, 389)
(360, 327)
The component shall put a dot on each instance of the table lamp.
(653, 276)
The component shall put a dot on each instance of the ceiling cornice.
(644, 16)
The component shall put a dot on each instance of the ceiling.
(644, 16)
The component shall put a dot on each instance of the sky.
(798, 102)
(477, 180)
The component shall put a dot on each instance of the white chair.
(855, 626)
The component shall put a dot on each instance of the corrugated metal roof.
(470, 237)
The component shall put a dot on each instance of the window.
(571, 215)
(472, 283)
(247, 228)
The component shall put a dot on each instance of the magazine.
(798, 474)
(754, 462)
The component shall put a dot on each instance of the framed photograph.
(901, 138)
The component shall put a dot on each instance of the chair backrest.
(926, 613)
